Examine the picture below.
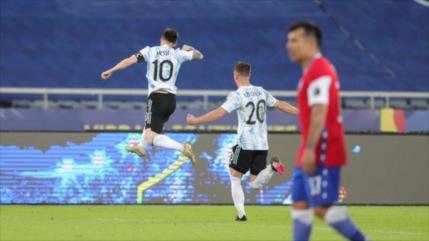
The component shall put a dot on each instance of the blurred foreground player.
(251, 149)
(322, 153)
(163, 64)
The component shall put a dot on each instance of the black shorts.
(159, 109)
(243, 160)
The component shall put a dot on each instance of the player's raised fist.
(191, 120)
(187, 47)
(106, 74)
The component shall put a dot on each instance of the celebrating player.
(322, 152)
(163, 63)
(251, 149)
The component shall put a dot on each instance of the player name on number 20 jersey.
(251, 103)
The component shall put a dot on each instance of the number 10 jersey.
(163, 65)
(251, 103)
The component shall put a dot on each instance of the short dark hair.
(171, 35)
(243, 68)
(310, 29)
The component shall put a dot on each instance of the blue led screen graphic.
(94, 168)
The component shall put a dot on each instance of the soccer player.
(163, 63)
(322, 153)
(251, 149)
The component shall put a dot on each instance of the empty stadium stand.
(68, 43)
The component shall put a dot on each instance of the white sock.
(237, 195)
(302, 223)
(167, 142)
(143, 142)
(262, 178)
(303, 215)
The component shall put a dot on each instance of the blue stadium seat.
(68, 43)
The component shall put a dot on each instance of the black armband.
(139, 57)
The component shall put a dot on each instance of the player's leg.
(140, 148)
(239, 165)
(337, 217)
(237, 194)
(260, 173)
(164, 105)
(143, 142)
(157, 114)
(147, 120)
(154, 126)
(301, 212)
(162, 140)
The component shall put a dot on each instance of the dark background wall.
(389, 169)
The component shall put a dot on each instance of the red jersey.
(319, 85)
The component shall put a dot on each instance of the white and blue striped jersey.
(251, 103)
(163, 65)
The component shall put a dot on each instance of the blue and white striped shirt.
(251, 103)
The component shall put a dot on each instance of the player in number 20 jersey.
(250, 102)
(163, 63)
(251, 148)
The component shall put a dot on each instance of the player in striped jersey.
(163, 63)
(251, 149)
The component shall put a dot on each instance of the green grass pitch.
(196, 223)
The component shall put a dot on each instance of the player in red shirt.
(322, 153)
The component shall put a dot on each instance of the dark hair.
(243, 68)
(310, 29)
(171, 35)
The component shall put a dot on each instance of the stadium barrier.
(45, 93)
(355, 120)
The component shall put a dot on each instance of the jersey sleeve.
(183, 56)
(318, 91)
(232, 102)
(143, 54)
(271, 100)
(320, 83)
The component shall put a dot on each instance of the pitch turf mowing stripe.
(159, 177)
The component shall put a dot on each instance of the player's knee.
(300, 205)
(235, 173)
(320, 212)
(149, 135)
(253, 184)
(303, 215)
(252, 178)
(335, 214)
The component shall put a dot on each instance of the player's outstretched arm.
(196, 53)
(286, 107)
(211, 116)
(119, 66)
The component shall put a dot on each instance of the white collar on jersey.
(246, 86)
